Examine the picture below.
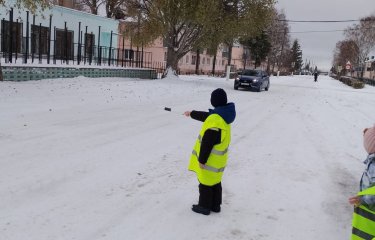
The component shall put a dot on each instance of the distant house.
(369, 70)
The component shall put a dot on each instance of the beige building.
(155, 54)
(187, 64)
(369, 70)
(65, 3)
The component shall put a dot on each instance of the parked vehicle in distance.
(252, 79)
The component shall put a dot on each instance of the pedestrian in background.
(210, 153)
(315, 76)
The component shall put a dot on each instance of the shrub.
(358, 84)
(352, 82)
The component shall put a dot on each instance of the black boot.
(216, 209)
(200, 209)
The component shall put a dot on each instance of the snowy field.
(90, 159)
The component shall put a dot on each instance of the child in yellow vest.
(210, 152)
(364, 202)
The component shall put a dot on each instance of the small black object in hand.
(167, 109)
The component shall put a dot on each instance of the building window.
(64, 44)
(223, 62)
(208, 61)
(165, 56)
(203, 61)
(11, 38)
(129, 54)
(193, 60)
(39, 39)
(187, 59)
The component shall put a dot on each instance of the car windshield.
(251, 73)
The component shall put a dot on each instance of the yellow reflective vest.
(213, 170)
(364, 220)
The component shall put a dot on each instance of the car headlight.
(237, 79)
(255, 80)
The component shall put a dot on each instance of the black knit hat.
(218, 97)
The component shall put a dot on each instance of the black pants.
(210, 196)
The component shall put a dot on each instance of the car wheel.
(235, 87)
(259, 89)
(268, 86)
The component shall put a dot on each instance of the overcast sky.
(318, 47)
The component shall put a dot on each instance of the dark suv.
(253, 79)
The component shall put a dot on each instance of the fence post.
(99, 50)
(16, 52)
(54, 45)
(33, 40)
(80, 47)
(110, 51)
(85, 47)
(49, 39)
(123, 50)
(142, 56)
(40, 43)
(11, 35)
(79, 44)
(3, 34)
(66, 45)
(118, 53)
(27, 38)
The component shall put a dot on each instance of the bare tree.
(279, 36)
(115, 8)
(93, 5)
(363, 35)
(346, 50)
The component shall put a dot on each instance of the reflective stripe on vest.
(209, 168)
(364, 220)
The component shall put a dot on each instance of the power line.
(316, 21)
(326, 21)
(328, 31)
(322, 31)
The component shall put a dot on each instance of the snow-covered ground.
(101, 159)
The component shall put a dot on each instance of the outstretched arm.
(197, 115)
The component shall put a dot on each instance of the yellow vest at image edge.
(364, 220)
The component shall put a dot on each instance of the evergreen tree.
(297, 55)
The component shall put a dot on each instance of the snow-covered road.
(101, 159)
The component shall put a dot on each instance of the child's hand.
(355, 201)
(187, 113)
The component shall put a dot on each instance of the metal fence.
(50, 45)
